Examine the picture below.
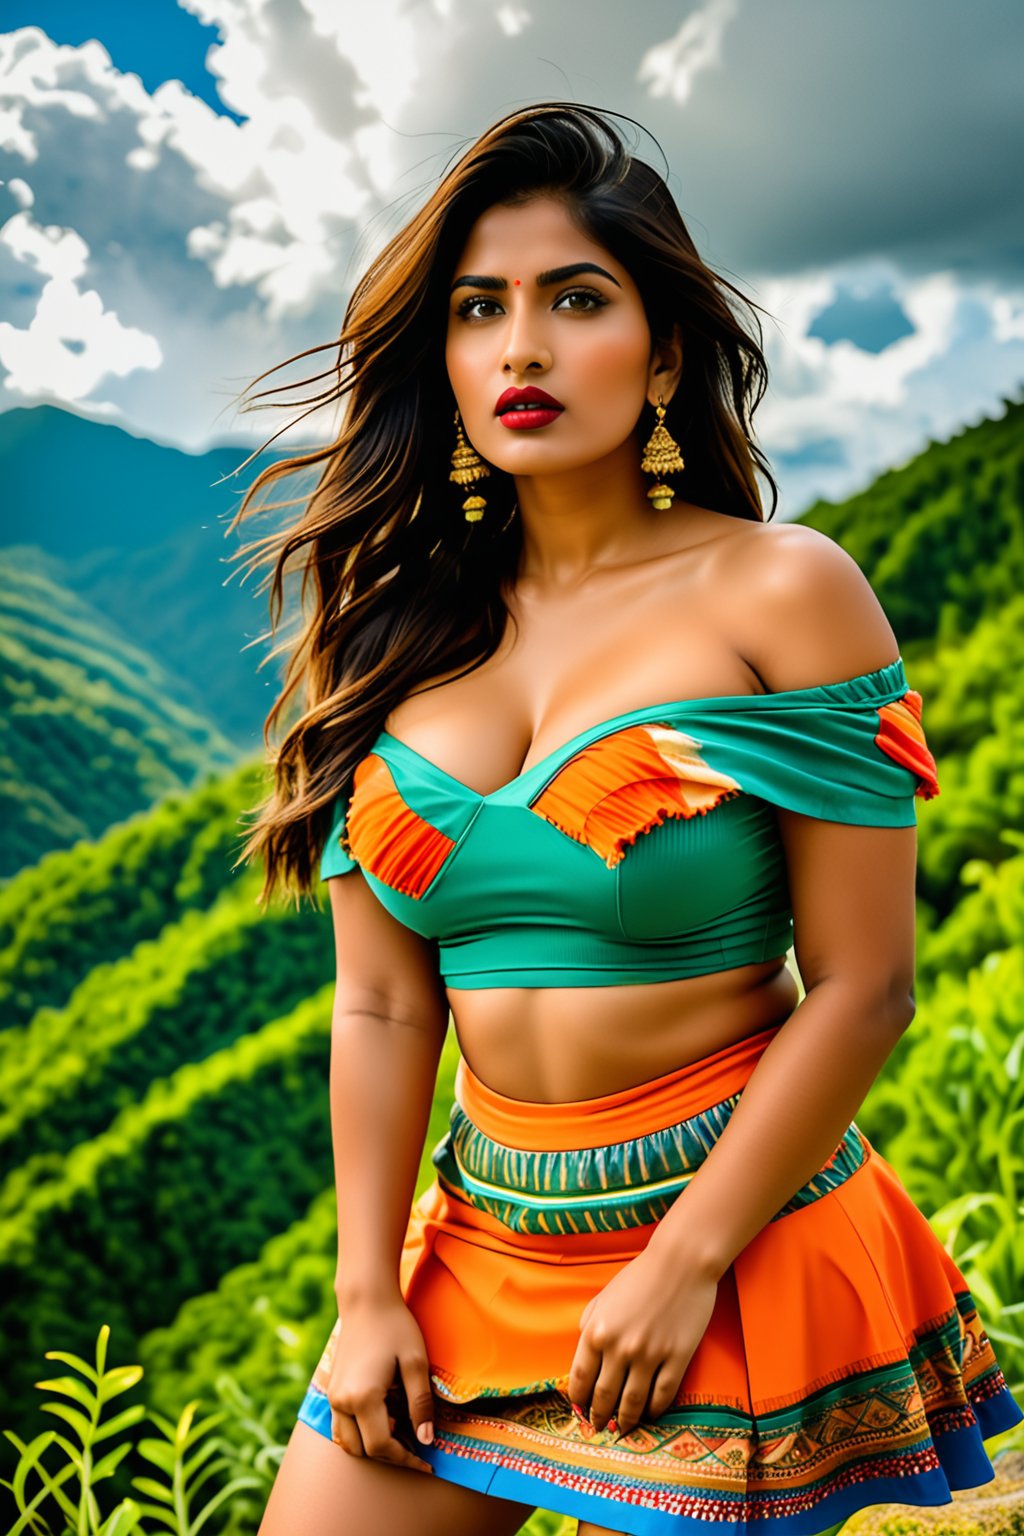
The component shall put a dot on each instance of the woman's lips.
(521, 419)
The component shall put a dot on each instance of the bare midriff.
(657, 630)
(555, 1044)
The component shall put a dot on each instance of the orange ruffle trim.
(901, 734)
(628, 782)
(386, 837)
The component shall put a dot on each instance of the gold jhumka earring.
(468, 467)
(661, 456)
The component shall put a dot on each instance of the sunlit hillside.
(137, 530)
(93, 729)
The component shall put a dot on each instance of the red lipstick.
(529, 407)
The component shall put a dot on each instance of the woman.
(661, 1281)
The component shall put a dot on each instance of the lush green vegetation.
(137, 530)
(80, 908)
(204, 980)
(941, 538)
(178, 1189)
(165, 1128)
(92, 730)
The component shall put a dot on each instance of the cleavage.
(430, 737)
(432, 740)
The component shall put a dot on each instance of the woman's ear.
(666, 366)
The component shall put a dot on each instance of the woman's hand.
(637, 1336)
(377, 1339)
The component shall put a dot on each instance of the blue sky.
(188, 192)
(157, 41)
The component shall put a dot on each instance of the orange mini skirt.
(844, 1363)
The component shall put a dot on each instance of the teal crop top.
(644, 849)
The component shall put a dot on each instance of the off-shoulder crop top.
(644, 849)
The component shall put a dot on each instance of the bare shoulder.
(805, 611)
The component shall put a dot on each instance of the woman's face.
(582, 337)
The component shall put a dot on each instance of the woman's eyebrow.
(544, 279)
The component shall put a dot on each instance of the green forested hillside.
(176, 1190)
(68, 479)
(91, 729)
(941, 538)
(203, 981)
(165, 1130)
(268, 1321)
(84, 906)
(136, 530)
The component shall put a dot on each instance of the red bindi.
(516, 281)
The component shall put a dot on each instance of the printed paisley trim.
(386, 837)
(901, 735)
(628, 782)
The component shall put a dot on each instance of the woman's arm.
(810, 617)
(389, 1023)
(812, 1079)
(853, 897)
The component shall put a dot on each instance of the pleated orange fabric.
(628, 782)
(387, 836)
(844, 1364)
(901, 734)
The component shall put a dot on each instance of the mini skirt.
(844, 1363)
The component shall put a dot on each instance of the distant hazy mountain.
(92, 729)
(139, 532)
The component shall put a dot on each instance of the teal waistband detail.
(606, 1188)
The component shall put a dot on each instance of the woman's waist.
(641, 1109)
(609, 1162)
(561, 1044)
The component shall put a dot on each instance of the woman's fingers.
(607, 1389)
(419, 1394)
(380, 1443)
(345, 1432)
(583, 1373)
(666, 1383)
(365, 1435)
(638, 1388)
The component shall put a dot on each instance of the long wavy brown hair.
(396, 586)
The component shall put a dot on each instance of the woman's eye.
(584, 293)
(594, 301)
(468, 304)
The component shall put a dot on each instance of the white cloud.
(672, 66)
(876, 408)
(828, 379)
(281, 156)
(21, 192)
(512, 19)
(13, 135)
(34, 72)
(72, 342)
(58, 252)
(379, 41)
(1007, 316)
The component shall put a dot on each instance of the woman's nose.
(525, 346)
